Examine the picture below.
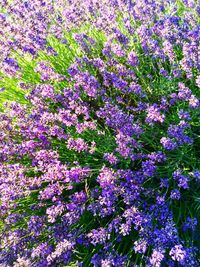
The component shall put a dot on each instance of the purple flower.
(157, 156)
(73, 70)
(184, 92)
(154, 115)
(164, 182)
(77, 144)
(107, 178)
(111, 158)
(190, 224)
(156, 258)
(181, 179)
(133, 59)
(196, 175)
(177, 132)
(135, 88)
(117, 50)
(61, 248)
(148, 168)
(175, 194)
(198, 81)
(98, 236)
(41, 250)
(168, 143)
(163, 72)
(140, 246)
(184, 115)
(177, 253)
(193, 102)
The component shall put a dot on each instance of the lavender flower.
(178, 253)
(133, 59)
(98, 236)
(154, 115)
(168, 143)
(140, 246)
(175, 194)
(156, 258)
(89, 161)
(190, 224)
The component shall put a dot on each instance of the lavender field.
(99, 133)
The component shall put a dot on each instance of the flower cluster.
(99, 157)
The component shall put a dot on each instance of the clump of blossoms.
(100, 166)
